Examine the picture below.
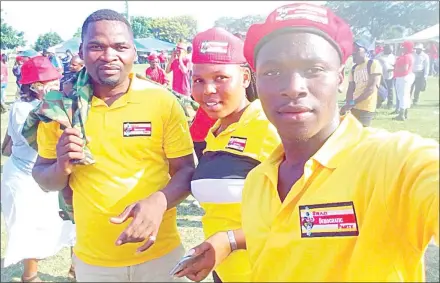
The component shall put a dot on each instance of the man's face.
(76, 65)
(298, 76)
(418, 50)
(359, 53)
(108, 52)
(154, 63)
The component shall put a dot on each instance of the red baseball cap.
(38, 69)
(152, 57)
(306, 17)
(217, 46)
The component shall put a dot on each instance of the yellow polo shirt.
(131, 141)
(361, 77)
(365, 209)
(219, 178)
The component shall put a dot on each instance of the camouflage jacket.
(71, 110)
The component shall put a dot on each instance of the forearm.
(168, 68)
(178, 188)
(369, 90)
(49, 177)
(240, 239)
(350, 91)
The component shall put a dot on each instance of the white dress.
(34, 227)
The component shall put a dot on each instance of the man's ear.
(81, 51)
(247, 77)
(341, 75)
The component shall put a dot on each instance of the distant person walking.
(421, 72)
(403, 73)
(388, 60)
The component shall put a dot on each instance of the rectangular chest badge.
(137, 129)
(328, 220)
(237, 143)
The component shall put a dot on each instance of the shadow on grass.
(13, 273)
(188, 223)
(186, 208)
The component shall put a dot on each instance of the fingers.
(151, 240)
(121, 218)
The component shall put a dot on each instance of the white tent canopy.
(427, 35)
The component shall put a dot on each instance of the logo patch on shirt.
(237, 143)
(137, 129)
(328, 220)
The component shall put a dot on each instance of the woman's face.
(41, 88)
(220, 89)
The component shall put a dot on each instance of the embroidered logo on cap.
(237, 143)
(303, 12)
(137, 129)
(214, 47)
(328, 220)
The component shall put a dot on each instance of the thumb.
(198, 250)
(121, 218)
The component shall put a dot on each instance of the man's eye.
(221, 78)
(271, 73)
(197, 80)
(95, 47)
(314, 71)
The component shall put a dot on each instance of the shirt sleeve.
(376, 68)
(177, 138)
(47, 139)
(426, 66)
(414, 201)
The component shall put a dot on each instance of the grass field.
(424, 120)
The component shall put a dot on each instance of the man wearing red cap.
(155, 72)
(178, 65)
(162, 59)
(336, 202)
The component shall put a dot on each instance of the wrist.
(220, 241)
(160, 199)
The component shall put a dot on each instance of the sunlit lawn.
(424, 120)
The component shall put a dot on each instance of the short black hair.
(104, 15)
(189, 49)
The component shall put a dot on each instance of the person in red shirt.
(199, 130)
(404, 79)
(4, 82)
(162, 59)
(178, 64)
(155, 72)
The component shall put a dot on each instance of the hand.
(346, 108)
(209, 255)
(147, 216)
(69, 147)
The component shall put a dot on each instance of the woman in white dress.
(35, 229)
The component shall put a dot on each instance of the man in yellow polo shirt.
(364, 79)
(336, 202)
(139, 139)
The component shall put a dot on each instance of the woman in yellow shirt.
(241, 139)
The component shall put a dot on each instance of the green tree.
(240, 25)
(10, 38)
(47, 40)
(77, 33)
(141, 26)
(380, 19)
(171, 29)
